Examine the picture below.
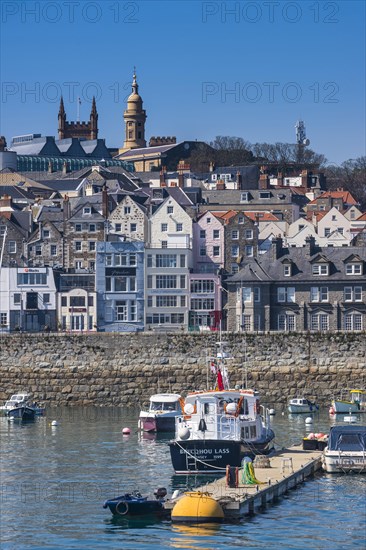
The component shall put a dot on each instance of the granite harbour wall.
(125, 369)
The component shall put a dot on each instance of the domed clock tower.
(134, 117)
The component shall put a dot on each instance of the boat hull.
(344, 463)
(157, 423)
(135, 507)
(212, 456)
(298, 409)
(22, 413)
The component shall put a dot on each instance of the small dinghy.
(134, 504)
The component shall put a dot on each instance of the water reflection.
(190, 536)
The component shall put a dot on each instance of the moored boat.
(19, 400)
(219, 428)
(354, 404)
(163, 410)
(346, 449)
(134, 504)
(301, 405)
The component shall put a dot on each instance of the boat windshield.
(17, 398)
(162, 406)
(348, 442)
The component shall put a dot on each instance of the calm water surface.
(54, 481)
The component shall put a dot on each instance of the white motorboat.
(163, 409)
(19, 400)
(301, 405)
(354, 404)
(220, 428)
(346, 450)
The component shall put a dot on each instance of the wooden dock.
(287, 469)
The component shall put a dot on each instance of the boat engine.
(160, 493)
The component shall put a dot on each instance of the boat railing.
(228, 427)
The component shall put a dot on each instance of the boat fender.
(184, 433)
(202, 426)
(122, 508)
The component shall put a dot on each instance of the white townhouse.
(27, 299)
(332, 221)
(168, 263)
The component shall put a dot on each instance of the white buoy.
(126, 431)
(272, 412)
(54, 423)
(308, 420)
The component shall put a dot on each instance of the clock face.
(186, 146)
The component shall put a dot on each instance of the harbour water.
(54, 480)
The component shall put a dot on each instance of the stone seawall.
(125, 369)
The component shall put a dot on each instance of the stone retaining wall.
(125, 369)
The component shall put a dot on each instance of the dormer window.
(86, 210)
(354, 269)
(320, 269)
(244, 197)
(287, 270)
(264, 195)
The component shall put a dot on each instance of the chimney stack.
(276, 248)
(66, 208)
(162, 176)
(239, 180)
(263, 181)
(310, 246)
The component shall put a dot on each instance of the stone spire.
(94, 121)
(61, 120)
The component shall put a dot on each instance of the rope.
(248, 474)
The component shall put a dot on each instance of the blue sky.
(248, 69)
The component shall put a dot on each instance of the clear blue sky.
(281, 60)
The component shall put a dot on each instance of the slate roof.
(44, 145)
(266, 268)
(139, 151)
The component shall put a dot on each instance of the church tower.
(77, 129)
(134, 117)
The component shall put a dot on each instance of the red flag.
(220, 383)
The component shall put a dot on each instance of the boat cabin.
(222, 415)
(300, 401)
(16, 400)
(358, 396)
(165, 402)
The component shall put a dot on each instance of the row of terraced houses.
(98, 252)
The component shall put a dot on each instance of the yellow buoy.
(197, 507)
